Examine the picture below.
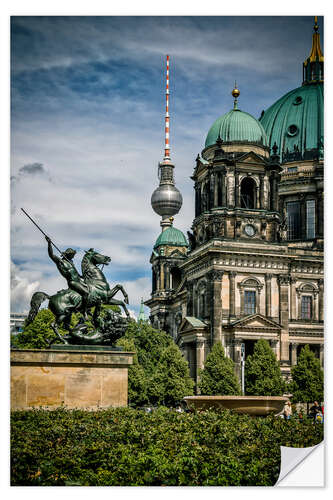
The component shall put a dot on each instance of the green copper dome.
(236, 126)
(171, 237)
(296, 123)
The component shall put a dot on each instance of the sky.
(87, 127)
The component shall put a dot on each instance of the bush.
(218, 375)
(126, 447)
(262, 372)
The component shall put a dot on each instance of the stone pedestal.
(83, 377)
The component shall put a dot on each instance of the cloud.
(88, 126)
(21, 290)
(32, 168)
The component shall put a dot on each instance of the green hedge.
(122, 446)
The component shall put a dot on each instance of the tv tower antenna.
(166, 200)
(167, 116)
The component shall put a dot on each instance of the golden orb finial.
(235, 93)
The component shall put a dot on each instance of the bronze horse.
(65, 302)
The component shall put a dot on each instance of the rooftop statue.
(84, 292)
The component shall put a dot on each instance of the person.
(315, 411)
(287, 411)
(67, 269)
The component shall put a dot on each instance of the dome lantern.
(313, 66)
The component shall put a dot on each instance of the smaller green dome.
(171, 237)
(238, 126)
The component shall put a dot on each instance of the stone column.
(237, 197)
(293, 314)
(274, 197)
(284, 282)
(232, 275)
(200, 357)
(216, 189)
(162, 284)
(158, 278)
(274, 346)
(321, 299)
(321, 355)
(315, 312)
(294, 346)
(262, 202)
(211, 190)
(268, 282)
(230, 181)
(258, 301)
(215, 278)
(223, 188)
(167, 276)
(266, 193)
(257, 196)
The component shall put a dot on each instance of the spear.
(41, 230)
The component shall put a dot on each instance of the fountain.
(250, 405)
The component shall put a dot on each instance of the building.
(252, 267)
(16, 322)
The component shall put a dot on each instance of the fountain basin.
(250, 405)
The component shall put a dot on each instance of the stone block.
(73, 379)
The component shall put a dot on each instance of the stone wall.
(76, 379)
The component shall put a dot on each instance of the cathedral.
(252, 265)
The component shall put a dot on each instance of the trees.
(307, 378)
(171, 379)
(218, 376)
(262, 372)
(137, 380)
(38, 334)
(159, 374)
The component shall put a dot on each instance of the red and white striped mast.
(166, 200)
(167, 116)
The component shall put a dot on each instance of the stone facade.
(242, 279)
(74, 379)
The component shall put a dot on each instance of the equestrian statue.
(84, 292)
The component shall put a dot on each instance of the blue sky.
(87, 125)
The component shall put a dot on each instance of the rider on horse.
(68, 271)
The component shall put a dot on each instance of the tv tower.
(166, 200)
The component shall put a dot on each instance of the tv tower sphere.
(166, 200)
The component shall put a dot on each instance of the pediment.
(176, 253)
(190, 323)
(255, 321)
(251, 157)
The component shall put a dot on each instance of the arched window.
(307, 293)
(250, 289)
(248, 193)
(175, 275)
